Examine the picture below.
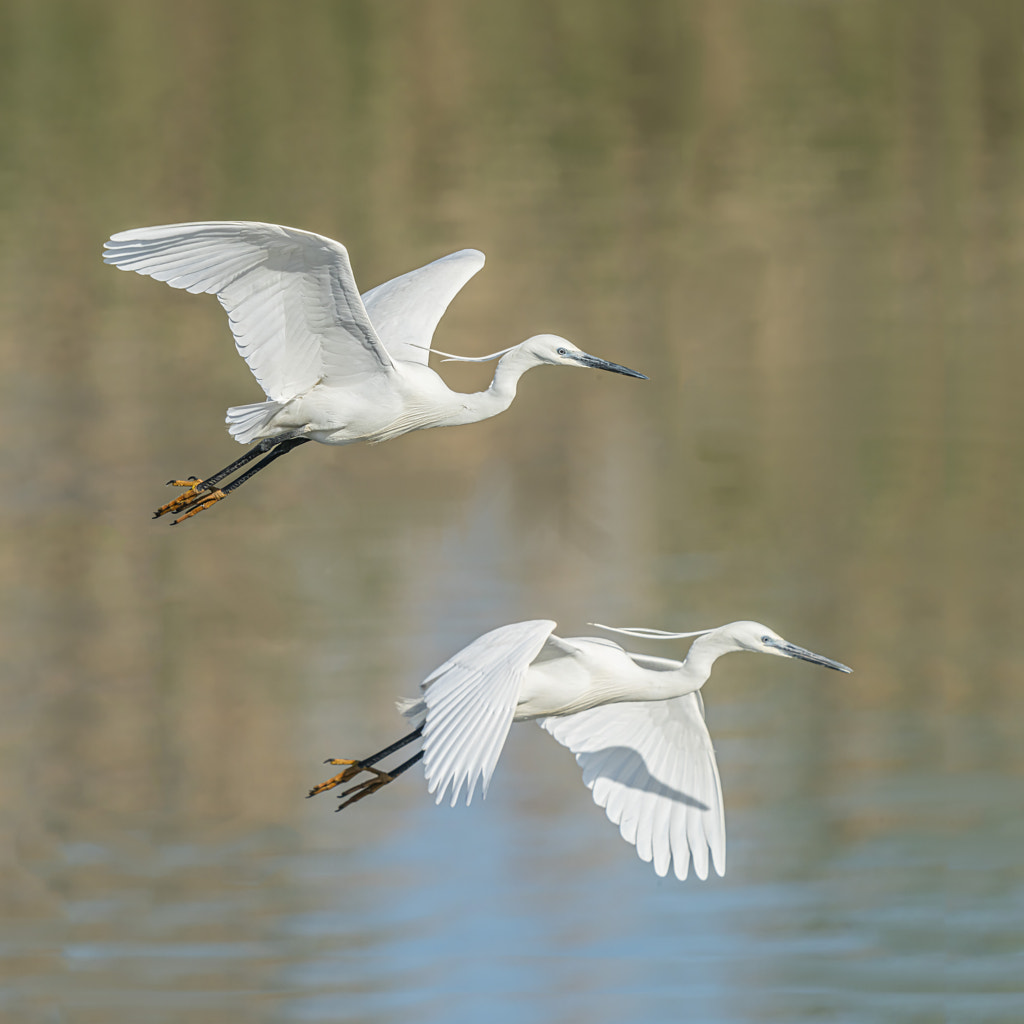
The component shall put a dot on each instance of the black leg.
(372, 785)
(283, 448)
(406, 765)
(366, 764)
(264, 446)
(204, 493)
(397, 745)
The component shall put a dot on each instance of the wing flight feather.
(406, 310)
(651, 766)
(290, 296)
(470, 702)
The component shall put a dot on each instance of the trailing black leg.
(366, 764)
(283, 448)
(255, 451)
(381, 754)
(369, 786)
(201, 494)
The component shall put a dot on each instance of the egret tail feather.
(247, 422)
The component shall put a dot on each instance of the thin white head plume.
(650, 634)
(450, 358)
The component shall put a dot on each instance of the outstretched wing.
(291, 300)
(470, 702)
(651, 766)
(405, 311)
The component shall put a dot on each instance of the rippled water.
(805, 221)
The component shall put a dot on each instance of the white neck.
(660, 678)
(482, 405)
(701, 657)
(691, 675)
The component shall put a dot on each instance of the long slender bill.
(602, 364)
(793, 651)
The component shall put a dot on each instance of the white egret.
(336, 367)
(635, 723)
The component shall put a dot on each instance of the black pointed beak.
(792, 651)
(602, 364)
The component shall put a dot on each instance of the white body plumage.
(634, 722)
(336, 366)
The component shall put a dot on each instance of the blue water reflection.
(805, 221)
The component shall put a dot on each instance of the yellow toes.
(179, 503)
(354, 768)
(338, 780)
(364, 788)
(198, 504)
(192, 502)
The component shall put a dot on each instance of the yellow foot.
(361, 789)
(364, 788)
(178, 504)
(191, 502)
(203, 501)
(348, 773)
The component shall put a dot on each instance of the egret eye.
(561, 352)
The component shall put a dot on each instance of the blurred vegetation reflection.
(805, 221)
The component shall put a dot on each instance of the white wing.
(470, 702)
(291, 300)
(651, 766)
(405, 311)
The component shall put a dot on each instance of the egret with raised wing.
(336, 367)
(635, 723)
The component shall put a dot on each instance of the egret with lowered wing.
(635, 723)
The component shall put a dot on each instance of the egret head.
(550, 348)
(735, 636)
(755, 636)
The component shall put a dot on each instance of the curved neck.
(701, 657)
(481, 405)
(665, 679)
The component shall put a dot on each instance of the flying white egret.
(336, 367)
(635, 723)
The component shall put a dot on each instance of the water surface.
(805, 222)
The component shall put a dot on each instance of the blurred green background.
(804, 219)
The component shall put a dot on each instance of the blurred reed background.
(805, 221)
